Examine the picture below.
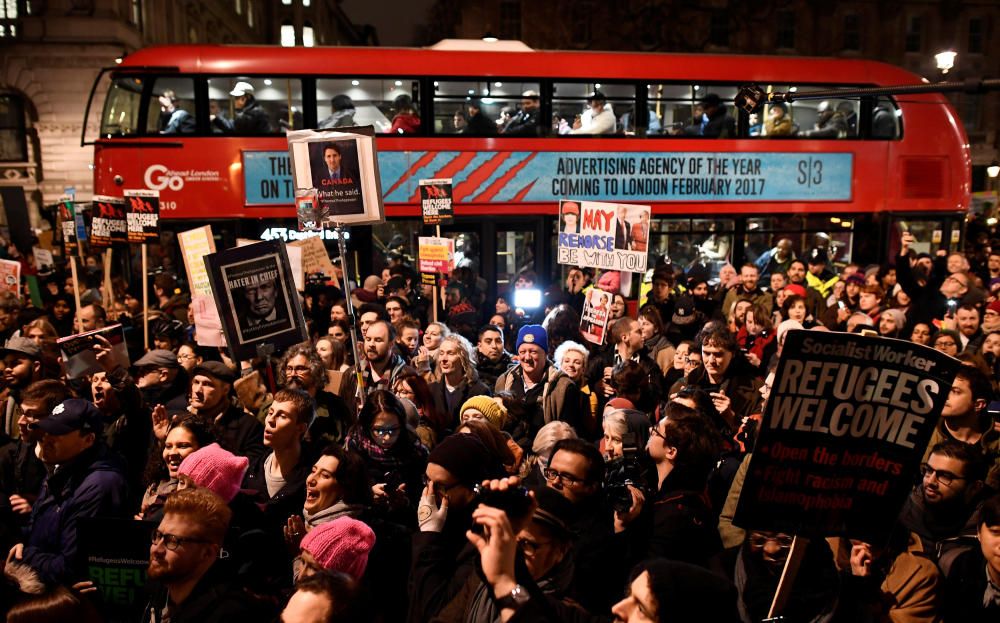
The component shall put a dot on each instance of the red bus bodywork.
(925, 171)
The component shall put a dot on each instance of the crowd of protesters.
(474, 462)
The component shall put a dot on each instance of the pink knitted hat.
(216, 469)
(341, 545)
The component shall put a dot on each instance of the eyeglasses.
(784, 541)
(655, 431)
(441, 489)
(528, 546)
(385, 431)
(567, 479)
(172, 542)
(945, 478)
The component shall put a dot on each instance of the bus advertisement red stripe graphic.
(480, 175)
(497, 186)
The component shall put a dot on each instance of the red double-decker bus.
(205, 126)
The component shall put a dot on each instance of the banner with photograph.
(143, 215)
(436, 255)
(609, 236)
(10, 277)
(342, 166)
(108, 225)
(435, 201)
(255, 294)
(195, 245)
(842, 435)
(596, 312)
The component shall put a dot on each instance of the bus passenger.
(599, 118)
(406, 120)
(251, 118)
(526, 122)
(714, 122)
(341, 113)
(479, 124)
(778, 124)
(173, 119)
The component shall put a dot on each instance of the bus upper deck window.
(171, 107)
(486, 108)
(255, 105)
(121, 107)
(391, 105)
(593, 108)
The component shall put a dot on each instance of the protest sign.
(435, 201)
(594, 319)
(67, 225)
(10, 277)
(195, 245)
(436, 255)
(44, 262)
(78, 350)
(255, 294)
(116, 554)
(107, 225)
(342, 166)
(307, 210)
(207, 323)
(609, 236)
(143, 215)
(315, 259)
(295, 261)
(842, 436)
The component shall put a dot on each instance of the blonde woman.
(572, 358)
(458, 379)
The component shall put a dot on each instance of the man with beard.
(443, 559)
(22, 366)
(182, 556)
(492, 359)
(943, 509)
(161, 380)
(302, 369)
(384, 364)
(21, 471)
(210, 397)
(88, 481)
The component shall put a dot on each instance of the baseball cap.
(216, 370)
(158, 358)
(241, 89)
(70, 415)
(22, 346)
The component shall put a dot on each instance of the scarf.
(340, 509)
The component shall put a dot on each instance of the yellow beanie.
(495, 414)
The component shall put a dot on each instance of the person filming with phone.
(928, 284)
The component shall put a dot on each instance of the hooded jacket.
(91, 485)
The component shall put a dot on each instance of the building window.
(13, 130)
(286, 2)
(239, 7)
(786, 30)
(8, 18)
(308, 38)
(250, 13)
(915, 34)
(852, 32)
(970, 112)
(719, 28)
(306, 3)
(510, 19)
(287, 35)
(976, 35)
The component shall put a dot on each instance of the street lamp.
(945, 60)
(994, 169)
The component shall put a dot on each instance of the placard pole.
(434, 307)
(108, 294)
(787, 581)
(358, 356)
(76, 288)
(145, 299)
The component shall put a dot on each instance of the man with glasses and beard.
(182, 556)
(944, 508)
(301, 368)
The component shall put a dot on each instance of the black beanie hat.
(465, 457)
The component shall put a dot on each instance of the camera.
(622, 472)
(515, 501)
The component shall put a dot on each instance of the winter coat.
(490, 371)
(240, 433)
(288, 500)
(253, 119)
(560, 399)
(212, 601)
(91, 485)
(464, 391)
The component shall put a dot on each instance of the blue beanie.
(533, 334)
